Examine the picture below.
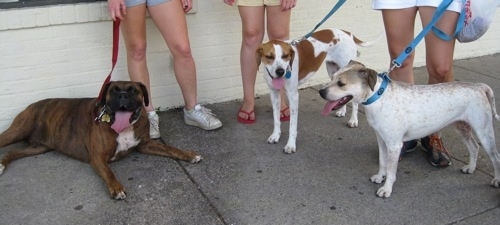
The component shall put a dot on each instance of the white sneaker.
(154, 128)
(202, 118)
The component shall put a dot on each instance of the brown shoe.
(437, 154)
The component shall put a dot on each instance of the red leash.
(116, 38)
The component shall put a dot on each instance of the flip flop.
(243, 120)
(284, 118)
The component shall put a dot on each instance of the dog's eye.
(285, 56)
(269, 57)
(340, 83)
(131, 90)
(115, 90)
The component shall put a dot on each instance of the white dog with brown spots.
(401, 112)
(288, 66)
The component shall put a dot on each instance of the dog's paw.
(495, 182)
(378, 178)
(120, 195)
(196, 159)
(274, 138)
(468, 169)
(352, 123)
(290, 149)
(340, 112)
(2, 167)
(384, 192)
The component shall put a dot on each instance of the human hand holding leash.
(117, 9)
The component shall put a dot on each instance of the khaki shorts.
(258, 2)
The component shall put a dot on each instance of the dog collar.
(380, 91)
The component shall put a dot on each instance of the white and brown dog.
(288, 66)
(401, 112)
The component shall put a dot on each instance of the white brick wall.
(65, 51)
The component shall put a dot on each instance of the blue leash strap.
(437, 14)
(460, 25)
(334, 9)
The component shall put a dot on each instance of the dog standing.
(68, 126)
(288, 66)
(401, 112)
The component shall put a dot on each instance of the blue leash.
(399, 60)
(332, 11)
(437, 14)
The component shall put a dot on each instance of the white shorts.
(455, 6)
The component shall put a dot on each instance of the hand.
(117, 9)
(287, 4)
(229, 2)
(187, 5)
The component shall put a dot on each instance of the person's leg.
(399, 28)
(252, 19)
(133, 29)
(278, 27)
(134, 34)
(438, 52)
(170, 19)
(439, 61)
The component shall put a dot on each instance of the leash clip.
(297, 41)
(98, 118)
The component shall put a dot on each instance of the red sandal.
(284, 118)
(247, 120)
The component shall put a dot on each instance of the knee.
(252, 37)
(137, 51)
(181, 51)
(439, 73)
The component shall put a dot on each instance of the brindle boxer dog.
(68, 126)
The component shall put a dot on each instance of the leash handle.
(437, 14)
(114, 57)
(458, 28)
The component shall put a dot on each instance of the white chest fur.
(126, 140)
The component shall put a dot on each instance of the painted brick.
(65, 51)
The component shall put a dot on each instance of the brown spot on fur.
(324, 36)
(308, 62)
(356, 39)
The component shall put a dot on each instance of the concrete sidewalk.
(244, 180)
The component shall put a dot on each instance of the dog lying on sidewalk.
(401, 112)
(67, 125)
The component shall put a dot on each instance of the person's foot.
(246, 117)
(154, 128)
(202, 118)
(437, 154)
(285, 113)
(408, 146)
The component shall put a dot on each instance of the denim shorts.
(130, 3)
(455, 6)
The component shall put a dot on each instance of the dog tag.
(106, 118)
(288, 74)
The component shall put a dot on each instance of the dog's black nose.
(280, 71)
(323, 92)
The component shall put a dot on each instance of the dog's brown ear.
(355, 64)
(258, 55)
(104, 93)
(145, 93)
(292, 56)
(371, 78)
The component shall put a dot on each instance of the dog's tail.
(361, 43)
(491, 98)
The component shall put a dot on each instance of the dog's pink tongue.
(329, 107)
(122, 121)
(278, 83)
